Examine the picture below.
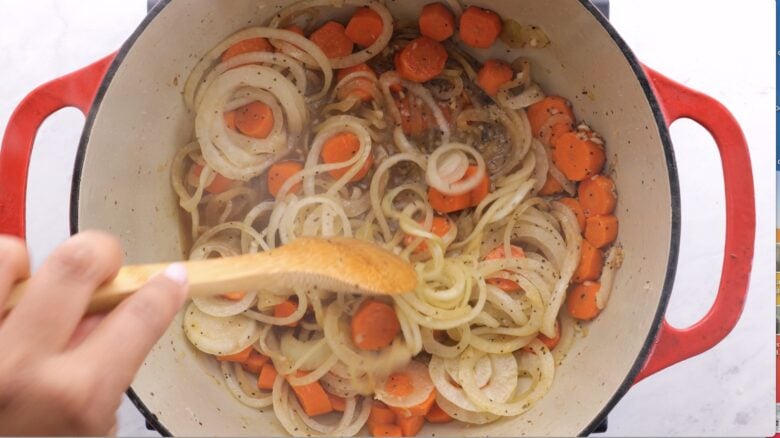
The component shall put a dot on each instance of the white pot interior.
(125, 189)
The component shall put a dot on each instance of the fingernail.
(176, 272)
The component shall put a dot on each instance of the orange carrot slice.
(591, 262)
(421, 60)
(493, 75)
(436, 22)
(600, 231)
(597, 195)
(255, 120)
(479, 28)
(247, 46)
(577, 158)
(364, 27)
(341, 148)
(581, 302)
(332, 40)
(279, 173)
(498, 253)
(374, 325)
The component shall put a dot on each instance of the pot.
(121, 184)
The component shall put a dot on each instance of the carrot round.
(421, 60)
(364, 27)
(600, 231)
(479, 27)
(247, 46)
(597, 195)
(437, 416)
(436, 22)
(255, 120)
(267, 377)
(577, 158)
(410, 426)
(381, 429)
(419, 410)
(576, 208)
(285, 309)
(551, 186)
(295, 28)
(374, 325)
(591, 262)
(234, 296)
(539, 112)
(255, 362)
(218, 185)
(380, 413)
(332, 40)
(312, 397)
(440, 226)
(581, 302)
(241, 356)
(279, 173)
(360, 87)
(341, 148)
(417, 117)
(493, 75)
(451, 203)
(482, 189)
(552, 342)
(498, 253)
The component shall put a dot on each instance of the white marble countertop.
(724, 48)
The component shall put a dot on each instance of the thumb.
(137, 323)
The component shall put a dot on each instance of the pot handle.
(77, 89)
(673, 345)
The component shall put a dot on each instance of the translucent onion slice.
(437, 161)
(219, 336)
(216, 306)
(421, 383)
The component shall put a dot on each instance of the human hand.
(62, 373)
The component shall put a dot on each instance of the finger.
(14, 265)
(85, 327)
(122, 341)
(58, 293)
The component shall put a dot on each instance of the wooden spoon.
(337, 264)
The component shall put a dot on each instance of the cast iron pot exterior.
(122, 184)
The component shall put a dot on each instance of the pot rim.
(151, 419)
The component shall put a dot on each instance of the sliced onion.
(219, 336)
(216, 306)
(612, 263)
(436, 180)
(421, 383)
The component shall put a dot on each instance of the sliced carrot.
(230, 119)
(332, 40)
(552, 342)
(437, 416)
(416, 411)
(364, 27)
(576, 208)
(218, 185)
(479, 27)
(381, 429)
(591, 262)
(581, 302)
(340, 148)
(399, 384)
(234, 296)
(597, 195)
(247, 46)
(255, 120)
(267, 377)
(600, 231)
(381, 414)
(374, 325)
(255, 362)
(285, 309)
(417, 117)
(410, 426)
(241, 356)
(338, 403)
(312, 397)
(360, 87)
(436, 22)
(498, 253)
(439, 226)
(279, 173)
(539, 112)
(577, 158)
(451, 203)
(493, 75)
(551, 186)
(421, 60)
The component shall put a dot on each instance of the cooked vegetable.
(591, 262)
(518, 36)
(410, 426)
(241, 356)
(361, 87)
(267, 377)
(312, 397)
(600, 231)
(493, 75)
(382, 429)
(597, 195)
(255, 362)
(577, 158)
(551, 186)
(421, 60)
(279, 173)
(541, 111)
(218, 185)
(440, 226)
(381, 414)
(552, 342)
(479, 27)
(582, 300)
(576, 208)
(364, 27)
(285, 309)
(255, 120)
(451, 203)
(234, 296)
(247, 46)
(436, 22)
(374, 325)
(332, 39)
(437, 416)
(498, 253)
(341, 148)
